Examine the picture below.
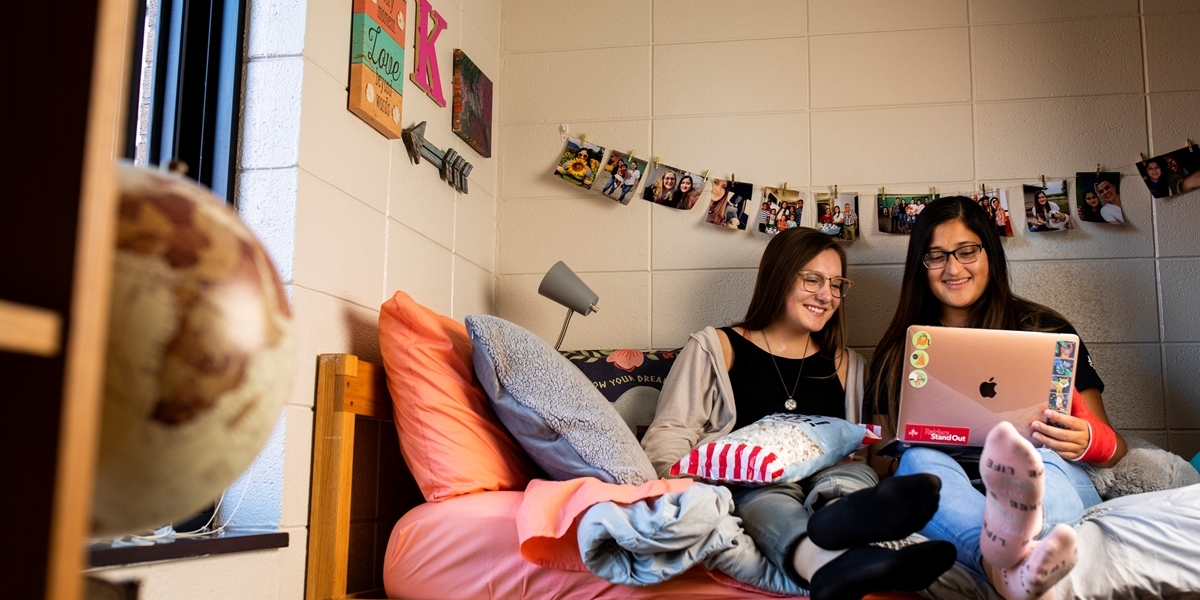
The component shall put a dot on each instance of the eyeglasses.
(965, 255)
(814, 281)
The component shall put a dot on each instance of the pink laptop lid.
(960, 382)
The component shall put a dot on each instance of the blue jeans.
(1068, 492)
(776, 516)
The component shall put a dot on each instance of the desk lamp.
(563, 286)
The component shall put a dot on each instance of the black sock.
(866, 569)
(892, 510)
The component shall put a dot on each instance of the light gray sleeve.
(684, 408)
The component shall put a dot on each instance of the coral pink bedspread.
(510, 545)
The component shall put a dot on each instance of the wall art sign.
(377, 64)
(472, 112)
(425, 64)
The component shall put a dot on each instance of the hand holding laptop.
(1066, 435)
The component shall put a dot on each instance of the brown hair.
(997, 308)
(785, 256)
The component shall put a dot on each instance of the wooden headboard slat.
(366, 393)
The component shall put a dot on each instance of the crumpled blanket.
(656, 539)
(1145, 468)
(553, 513)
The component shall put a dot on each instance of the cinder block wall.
(861, 94)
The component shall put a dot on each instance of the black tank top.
(758, 391)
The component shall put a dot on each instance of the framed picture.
(472, 111)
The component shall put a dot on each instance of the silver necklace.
(790, 403)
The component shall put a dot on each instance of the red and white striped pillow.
(777, 448)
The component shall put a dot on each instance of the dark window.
(186, 88)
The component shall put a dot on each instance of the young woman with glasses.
(1016, 536)
(789, 355)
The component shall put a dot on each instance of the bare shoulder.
(726, 349)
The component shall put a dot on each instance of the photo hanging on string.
(672, 187)
(1047, 208)
(897, 213)
(727, 207)
(579, 163)
(620, 177)
(781, 210)
(838, 216)
(1098, 197)
(1172, 173)
(995, 204)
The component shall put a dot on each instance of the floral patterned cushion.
(630, 379)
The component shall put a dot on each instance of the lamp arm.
(564, 329)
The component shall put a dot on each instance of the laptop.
(960, 382)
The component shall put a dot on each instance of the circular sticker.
(917, 378)
(370, 92)
(918, 358)
(921, 340)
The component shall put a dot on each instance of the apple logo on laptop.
(987, 389)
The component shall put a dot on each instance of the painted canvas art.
(472, 112)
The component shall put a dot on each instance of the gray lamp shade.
(563, 286)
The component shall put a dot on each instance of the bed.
(373, 534)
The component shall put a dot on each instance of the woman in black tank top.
(789, 355)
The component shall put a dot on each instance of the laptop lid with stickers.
(960, 382)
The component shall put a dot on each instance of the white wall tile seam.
(425, 237)
(336, 297)
(343, 191)
(241, 170)
(1078, 19)
(387, 239)
(479, 31)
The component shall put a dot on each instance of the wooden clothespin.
(1143, 156)
(732, 178)
(706, 174)
(1191, 145)
(582, 138)
(785, 187)
(983, 188)
(1097, 171)
(631, 155)
(1043, 182)
(933, 190)
(835, 194)
(882, 192)
(655, 161)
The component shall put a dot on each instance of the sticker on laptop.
(1058, 402)
(917, 378)
(1060, 385)
(937, 434)
(921, 340)
(919, 358)
(1065, 349)
(1063, 366)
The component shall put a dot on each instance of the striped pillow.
(778, 448)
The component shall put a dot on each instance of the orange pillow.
(449, 435)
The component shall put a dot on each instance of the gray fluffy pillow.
(565, 425)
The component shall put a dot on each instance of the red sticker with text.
(939, 434)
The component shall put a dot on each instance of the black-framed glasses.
(965, 255)
(814, 281)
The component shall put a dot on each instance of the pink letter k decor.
(426, 75)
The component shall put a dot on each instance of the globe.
(199, 356)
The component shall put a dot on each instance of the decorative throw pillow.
(630, 379)
(777, 448)
(449, 435)
(556, 414)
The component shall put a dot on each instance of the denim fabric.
(1068, 492)
(776, 516)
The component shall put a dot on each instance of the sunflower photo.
(579, 163)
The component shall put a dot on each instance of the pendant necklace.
(790, 403)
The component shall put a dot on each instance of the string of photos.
(730, 203)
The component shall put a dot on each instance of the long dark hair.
(785, 256)
(997, 308)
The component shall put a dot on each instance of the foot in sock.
(866, 569)
(892, 510)
(1013, 474)
(1050, 560)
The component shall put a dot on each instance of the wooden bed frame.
(360, 483)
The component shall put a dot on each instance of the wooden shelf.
(29, 329)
